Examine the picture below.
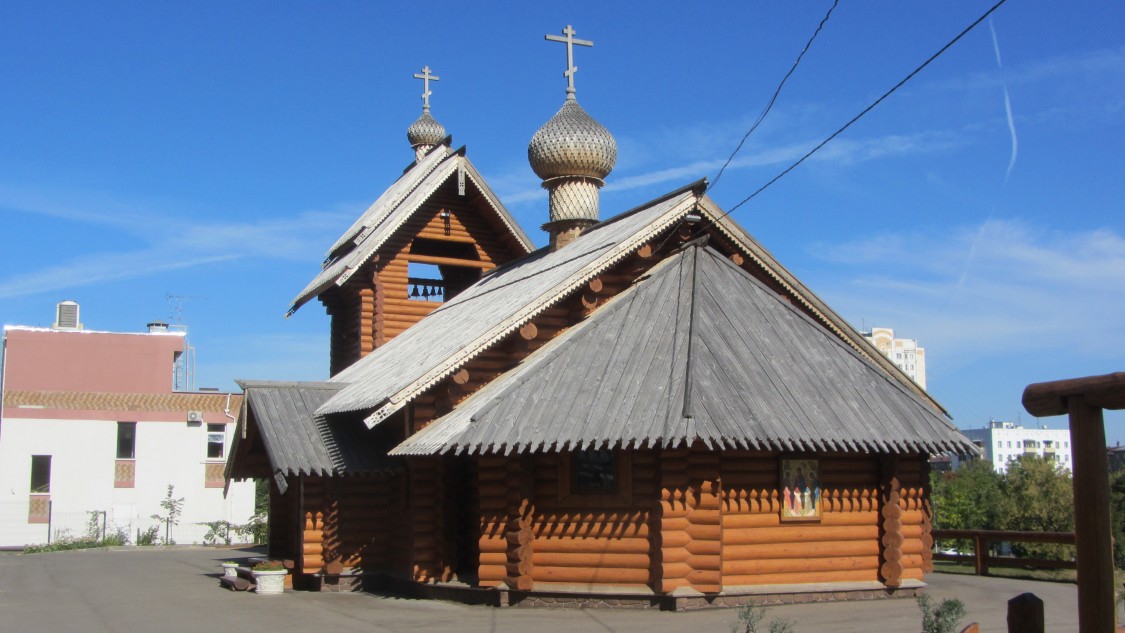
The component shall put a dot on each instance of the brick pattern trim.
(171, 402)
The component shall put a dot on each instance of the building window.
(40, 474)
(216, 440)
(126, 440)
(594, 471)
(595, 478)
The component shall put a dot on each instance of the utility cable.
(865, 110)
(777, 92)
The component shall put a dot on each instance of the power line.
(777, 92)
(867, 109)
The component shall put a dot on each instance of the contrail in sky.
(1007, 104)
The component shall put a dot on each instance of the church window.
(594, 471)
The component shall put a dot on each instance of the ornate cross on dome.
(426, 77)
(570, 67)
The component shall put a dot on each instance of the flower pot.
(270, 582)
(230, 569)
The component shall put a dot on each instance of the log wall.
(349, 522)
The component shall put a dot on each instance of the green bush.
(944, 618)
(750, 616)
(149, 536)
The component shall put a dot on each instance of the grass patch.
(68, 543)
(1050, 575)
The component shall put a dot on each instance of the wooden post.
(1083, 399)
(980, 551)
(1025, 614)
(1093, 552)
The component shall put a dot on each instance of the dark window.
(215, 441)
(126, 440)
(594, 471)
(40, 474)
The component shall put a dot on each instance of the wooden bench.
(236, 583)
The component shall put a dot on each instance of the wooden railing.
(982, 539)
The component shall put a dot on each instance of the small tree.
(1038, 497)
(172, 510)
(967, 499)
(944, 618)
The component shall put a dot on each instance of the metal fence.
(18, 528)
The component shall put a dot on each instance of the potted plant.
(230, 568)
(269, 577)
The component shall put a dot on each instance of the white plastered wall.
(83, 456)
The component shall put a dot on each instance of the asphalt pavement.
(142, 590)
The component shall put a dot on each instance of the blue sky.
(214, 151)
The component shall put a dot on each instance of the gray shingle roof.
(698, 350)
(387, 214)
(299, 443)
(493, 308)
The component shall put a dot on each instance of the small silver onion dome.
(425, 131)
(572, 144)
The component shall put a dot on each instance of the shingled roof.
(299, 443)
(493, 308)
(514, 294)
(392, 209)
(698, 350)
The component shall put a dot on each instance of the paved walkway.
(175, 590)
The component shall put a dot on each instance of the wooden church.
(650, 410)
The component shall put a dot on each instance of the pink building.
(91, 422)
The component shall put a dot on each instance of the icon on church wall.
(800, 490)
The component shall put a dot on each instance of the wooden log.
(674, 538)
(593, 545)
(592, 559)
(493, 558)
(736, 521)
(799, 565)
(234, 583)
(706, 516)
(709, 548)
(461, 376)
(668, 585)
(711, 532)
(447, 261)
(799, 578)
(491, 572)
(492, 545)
(528, 331)
(801, 550)
(799, 534)
(592, 575)
(674, 555)
(1106, 391)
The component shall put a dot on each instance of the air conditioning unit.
(195, 417)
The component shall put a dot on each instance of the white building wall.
(83, 457)
(1005, 442)
(903, 352)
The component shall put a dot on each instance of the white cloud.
(164, 241)
(997, 287)
(1095, 64)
